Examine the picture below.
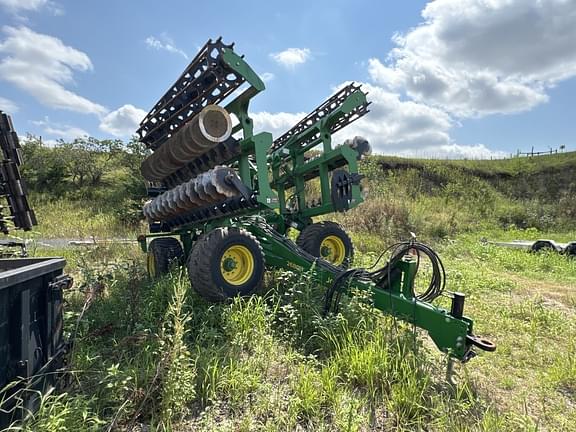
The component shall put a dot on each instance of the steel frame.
(268, 169)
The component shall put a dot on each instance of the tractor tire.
(226, 263)
(543, 245)
(570, 249)
(327, 240)
(162, 252)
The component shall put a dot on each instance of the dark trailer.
(32, 346)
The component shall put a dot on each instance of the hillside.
(546, 177)
(438, 199)
(492, 168)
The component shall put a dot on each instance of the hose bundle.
(384, 275)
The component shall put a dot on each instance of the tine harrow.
(323, 111)
(205, 81)
(12, 186)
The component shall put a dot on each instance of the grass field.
(155, 356)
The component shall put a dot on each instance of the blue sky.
(449, 78)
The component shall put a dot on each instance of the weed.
(178, 377)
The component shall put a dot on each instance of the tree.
(43, 166)
(88, 159)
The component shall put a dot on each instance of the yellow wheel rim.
(151, 265)
(332, 249)
(237, 265)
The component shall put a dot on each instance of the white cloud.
(275, 123)
(60, 131)
(393, 126)
(292, 57)
(18, 6)
(454, 151)
(41, 65)
(267, 76)
(468, 58)
(165, 43)
(23, 5)
(479, 57)
(7, 105)
(408, 128)
(123, 122)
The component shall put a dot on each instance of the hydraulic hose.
(383, 275)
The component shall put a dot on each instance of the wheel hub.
(332, 249)
(229, 264)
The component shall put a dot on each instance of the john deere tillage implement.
(222, 199)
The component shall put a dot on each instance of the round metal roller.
(152, 211)
(155, 210)
(182, 199)
(172, 201)
(214, 125)
(159, 165)
(192, 195)
(160, 206)
(162, 209)
(210, 127)
(175, 200)
(164, 206)
(183, 151)
(200, 190)
(210, 188)
(168, 164)
(151, 173)
(146, 210)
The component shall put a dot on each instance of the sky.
(447, 78)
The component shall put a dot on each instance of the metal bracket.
(239, 184)
(60, 283)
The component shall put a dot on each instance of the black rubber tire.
(543, 245)
(311, 238)
(204, 264)
(163, 251)
(570, 249)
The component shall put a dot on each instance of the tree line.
(103, 174)
(79, 163)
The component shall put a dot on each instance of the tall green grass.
(155, 353)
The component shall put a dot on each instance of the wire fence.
(532, 153)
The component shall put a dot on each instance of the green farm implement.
(223, 198)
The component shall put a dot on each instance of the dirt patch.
(555, 294)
